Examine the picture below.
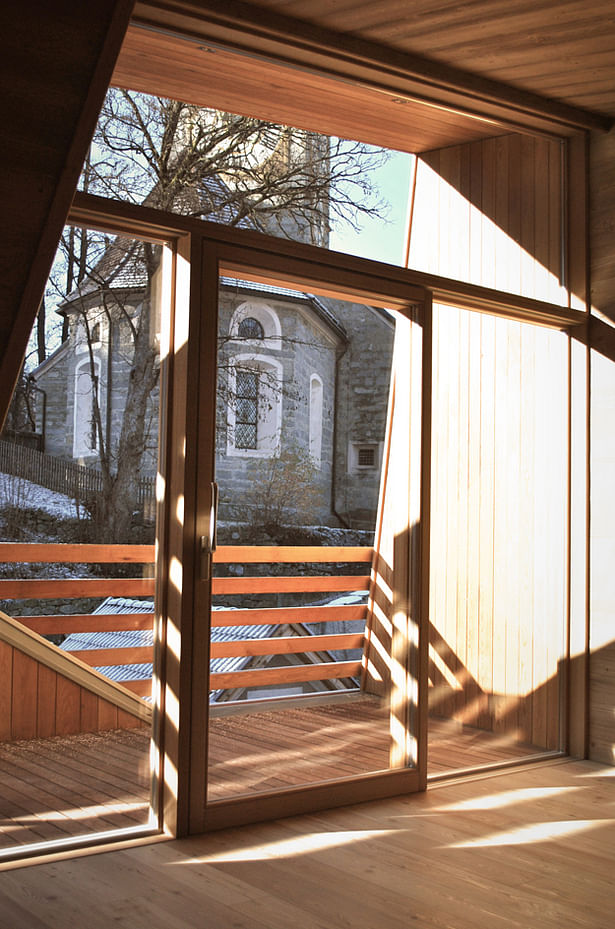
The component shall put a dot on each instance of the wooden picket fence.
(63, 476)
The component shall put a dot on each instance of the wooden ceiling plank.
(494, 39)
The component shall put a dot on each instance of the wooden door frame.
(259, 260)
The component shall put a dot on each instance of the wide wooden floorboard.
(62, 787)
(531, 848)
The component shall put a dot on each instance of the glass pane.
(244, 171)
(498, 536)
(78, 463)
(299, 690)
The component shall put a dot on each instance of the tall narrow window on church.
(246, 413)
(85, 436)
(316, 419)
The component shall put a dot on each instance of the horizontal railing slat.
(264, 676)
(286, 645)
(289, 614)
(36, 588)
(42, 589)
(40, 552)
(138, 654)
(87, 622)
(140, 688)
(298, 584)
(291, 554)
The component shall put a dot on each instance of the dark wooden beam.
(59, 58)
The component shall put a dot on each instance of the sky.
(377, 239)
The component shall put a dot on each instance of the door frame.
(261, 262)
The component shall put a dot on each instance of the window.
(254, 406)
(83, 329)
(257, 321)
(250, 328)
(316, 392)
(367, 457)
(85, 437)
(246, 416)
(363, 456)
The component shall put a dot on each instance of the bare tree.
(177, 157)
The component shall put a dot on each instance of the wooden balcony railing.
(279, 620)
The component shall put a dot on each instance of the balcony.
(292, 697)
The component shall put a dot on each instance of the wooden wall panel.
(491, 213)
(38, 702)
(602, 418)
(498, 578)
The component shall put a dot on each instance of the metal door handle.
(209, 541)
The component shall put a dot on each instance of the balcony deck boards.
(67, 786)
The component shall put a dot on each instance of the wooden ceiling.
(564, 49)
(409, 75)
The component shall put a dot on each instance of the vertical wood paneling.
(501, 603)
(6, 690)
(24, 697)
(499, 438)
(107, 716)
(88, 710)
(498, 525)
(527, 579)
(475, 490)
(500, 201)
(68, 710)
(602, 539)
(486, 516)
(46, 701)
(448, 623)
(37, 702)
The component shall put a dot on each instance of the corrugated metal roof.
(140, 638)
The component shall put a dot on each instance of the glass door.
(78, 523)
(314, 567)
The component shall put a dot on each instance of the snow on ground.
(18, 492)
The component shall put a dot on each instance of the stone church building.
(302, 381)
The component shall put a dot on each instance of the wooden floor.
(67, 786)
(62, 787)
(532, 848)
(268, 751)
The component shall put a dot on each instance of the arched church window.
(250, 328)
(256, 321)
(254, 408)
